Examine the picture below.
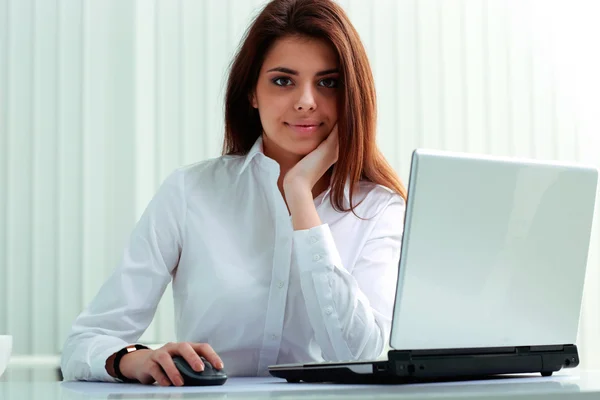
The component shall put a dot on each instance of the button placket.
(282, 258)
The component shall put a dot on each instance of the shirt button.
(274, 337)
(314, 239)
(280, 284)
(316, 257)
(328, 310)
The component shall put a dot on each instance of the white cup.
(5, 350)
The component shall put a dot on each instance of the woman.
(285, 249)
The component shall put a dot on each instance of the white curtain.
(100, 99)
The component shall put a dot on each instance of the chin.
(291, 145)
(303, 147)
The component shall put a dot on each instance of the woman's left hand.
(307, 172)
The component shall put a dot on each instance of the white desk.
(40, 383)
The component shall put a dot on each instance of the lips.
(305, 122)
(304, 128)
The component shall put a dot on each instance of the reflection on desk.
(40, 383)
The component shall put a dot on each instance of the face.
(296, 96)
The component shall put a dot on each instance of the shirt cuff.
(100, 352)
(316, 249)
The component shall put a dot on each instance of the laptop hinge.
(404, 355)
(408, 354)
(491, 360)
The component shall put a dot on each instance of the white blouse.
(243, 280)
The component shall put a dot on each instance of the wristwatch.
(120, 354)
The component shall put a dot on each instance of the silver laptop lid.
(494, 252)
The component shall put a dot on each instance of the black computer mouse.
(209, 377)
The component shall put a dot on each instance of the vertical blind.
(100, 100)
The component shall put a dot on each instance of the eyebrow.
(293, 72)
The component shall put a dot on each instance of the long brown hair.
(359, 158)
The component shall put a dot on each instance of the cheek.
(273, 111)
(271, 115)
(328, 105)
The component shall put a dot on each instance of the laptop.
(491, 272)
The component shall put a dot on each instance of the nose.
(306, 100)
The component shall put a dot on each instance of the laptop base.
(438, 365)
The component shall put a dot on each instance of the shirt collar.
(254, 150)
(257, 148)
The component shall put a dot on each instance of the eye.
(329, 83)
(282, 81)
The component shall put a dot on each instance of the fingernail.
(200, 367)
(178, 381)
(220, 365)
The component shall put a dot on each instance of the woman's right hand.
(148, 366)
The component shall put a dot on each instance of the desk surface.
(41, 383)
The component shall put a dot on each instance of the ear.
(252, 99)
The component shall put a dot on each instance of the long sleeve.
(351, 312)
(126, 303)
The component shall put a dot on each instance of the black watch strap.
(120, 354)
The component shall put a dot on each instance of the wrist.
(292, 184)
(296, 187)
(298, 197)
(127, 362)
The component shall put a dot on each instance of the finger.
(165, 361)
(211, 356)
(335, 128)
(334, 133)
(189, 354)
(334, 143)
(333, 137)
(159, 375)
(330, 139)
